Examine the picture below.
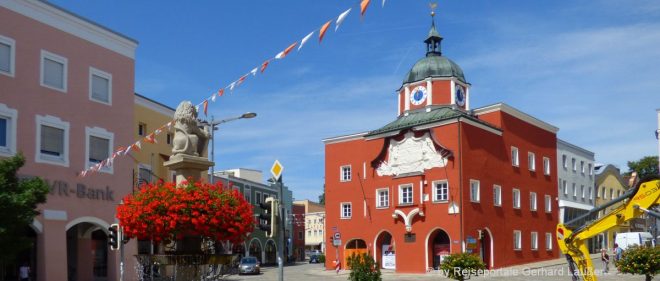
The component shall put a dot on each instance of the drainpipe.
(460, 182)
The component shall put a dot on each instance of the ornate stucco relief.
(411, 155)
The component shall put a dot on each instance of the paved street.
(549, 270)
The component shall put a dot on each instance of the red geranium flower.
(163, 211)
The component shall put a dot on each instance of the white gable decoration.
(411, 155)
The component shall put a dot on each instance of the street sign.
(336, 242)
(276, 170)
(337, 236)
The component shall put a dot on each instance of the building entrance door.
(486, 246)
(355, 246)
(439, 247)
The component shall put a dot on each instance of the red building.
(443, 178)
(298, 212)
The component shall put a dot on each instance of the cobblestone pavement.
(542, 271)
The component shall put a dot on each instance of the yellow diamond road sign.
(277, 169)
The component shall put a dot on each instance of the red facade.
(368, 178)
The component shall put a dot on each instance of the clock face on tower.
(418, 95)
(460, 96)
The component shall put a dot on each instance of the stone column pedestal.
(188, 166)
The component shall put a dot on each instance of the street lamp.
(213, 125)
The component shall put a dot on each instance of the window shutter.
(5, 57)
(100, 88)
(53, 74)
(98, 149)
(52, 140)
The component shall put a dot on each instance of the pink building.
(66, 101)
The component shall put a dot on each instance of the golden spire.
(433, 5)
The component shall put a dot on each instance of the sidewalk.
(391, 275)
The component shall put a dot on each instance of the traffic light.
(113, 236)
(268, 218)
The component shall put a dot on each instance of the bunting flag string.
(151, 138)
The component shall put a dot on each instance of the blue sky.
(590, 68)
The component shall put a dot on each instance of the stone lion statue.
(189, 137)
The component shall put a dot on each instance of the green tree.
(645, 167)
(363, 268)
(640, 260)
(18, 202)
(462, 266)
(322, 197)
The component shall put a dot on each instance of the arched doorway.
(355, 246)
(271, 252)
(385, 251)
(87, 252)
(486, 250)
(27, 256)
(439, 246)
(255, 249)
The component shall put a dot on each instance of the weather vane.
(433, 5)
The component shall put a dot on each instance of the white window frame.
(565, 187)
(546, 166)
(531, 161)
(515, 155)
(582, 190)
(341, 173)
(574, 190)
(534, 237)
(533, 206)
(54, 122)
(548, 241)
(435, 191)
(591, 170)
(341, 210)
(574, 163)
(412, 194)
(517, 240)
(515, 193)
(378, 202)
(564, 161)
(12, 55)
(100, 73)
(11, 115)
(582, 167)
(99, 133)
(548, 203)
(497, 195)
(475, 198)
(64, 61)
(247, 194)
(591, 193)
(257, 195)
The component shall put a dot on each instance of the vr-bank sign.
(62, 188)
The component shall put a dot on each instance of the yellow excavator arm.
(572, 236)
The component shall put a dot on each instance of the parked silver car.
(249, 265)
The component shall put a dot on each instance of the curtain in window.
(98, 149)
(52, 140)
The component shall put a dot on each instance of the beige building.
(314, 226)
(149, 116)
(609, 186)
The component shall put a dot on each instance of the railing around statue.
(174, 264)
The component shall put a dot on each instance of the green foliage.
(462, 266)
(640, 260)
(321, 258)
(647, 166)
(322, 197)
(18, 202)
(363, 268)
